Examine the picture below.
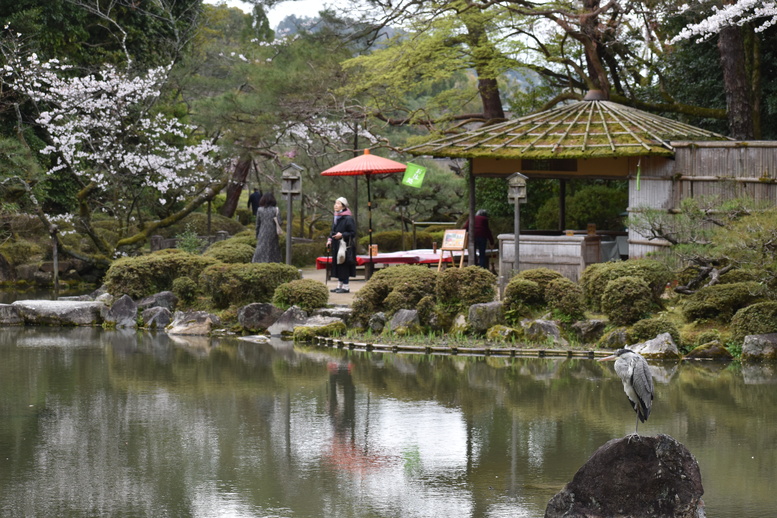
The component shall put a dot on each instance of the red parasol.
(367, 165)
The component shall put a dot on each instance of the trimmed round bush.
(308, 294)
(521, 296)
(231, 252)
(410, 283)
(198, 223)
(241, 284)
(721, 301)
(565, 298)
(459, 288)
(145, 275)
(626, 300)
(186, 289)
(757, 319)
(649, 328)
(542, 276)
(596, 277)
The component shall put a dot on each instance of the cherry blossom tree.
(105, 129)
(761, 13)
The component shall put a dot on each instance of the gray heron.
(637, 381)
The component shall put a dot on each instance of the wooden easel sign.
(454, 240)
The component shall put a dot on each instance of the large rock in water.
(635, 476)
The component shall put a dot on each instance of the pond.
(109, 423)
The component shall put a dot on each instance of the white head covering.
(343, 201)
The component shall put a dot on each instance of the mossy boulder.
(501, 333)
(710, 351)
(304, 334)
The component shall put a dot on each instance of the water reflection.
(118, 423)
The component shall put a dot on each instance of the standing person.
(482, 236)
(253, 201)
(343, 232)
(268, 250)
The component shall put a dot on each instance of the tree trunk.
(235, 187)
(738, 100)
(489, 94)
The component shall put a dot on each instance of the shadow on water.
(119, 423)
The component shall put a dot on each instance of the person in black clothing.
(343, 232)
(253, 200)
(482, 236)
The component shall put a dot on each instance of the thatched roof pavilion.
(592, 128)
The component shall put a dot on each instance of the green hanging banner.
(414, 175)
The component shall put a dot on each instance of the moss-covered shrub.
(308, 294)
(709, 335)
(757, 319)
(240, 284)
(739, 275)
(721, 301)
(231, 252)
(596, 277)
(148, 274)
(626, 300)
(649, 328)
(459, 288)
(426, 308)
(410, 283)
(391, 241)
(542, 276)
(565, 299)
(521, 297)
(186, 289)
(20, 251)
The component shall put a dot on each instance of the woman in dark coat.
(268, 250)
(343, 231)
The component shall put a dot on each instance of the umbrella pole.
(369, 211)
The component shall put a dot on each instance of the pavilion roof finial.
(596, 95)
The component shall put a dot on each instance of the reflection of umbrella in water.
(366, 165)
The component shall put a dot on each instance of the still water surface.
(117, 424)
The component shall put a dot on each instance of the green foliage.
(394, 288)
(598, 204)
(521, 297)
(565, 299)
(596, 277)
(710, 335)
(308, 294)
(459, 288)
(20, 251)
(189, 241)
(240, 284)
(721, 301)
(148, 274)
(626, 300)
(234, 252)
(751, 243)
(391, 241)
(186, 289)
(757, 319)
(542, 276)
(303, 334)
(649, 328)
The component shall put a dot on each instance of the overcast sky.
(301, 8)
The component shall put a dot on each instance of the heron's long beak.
(607, 358)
